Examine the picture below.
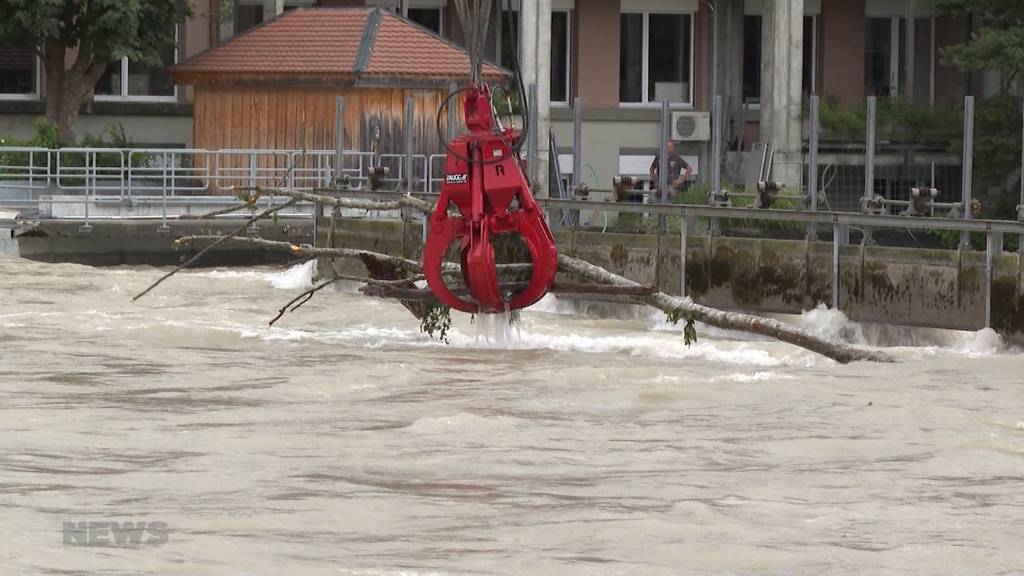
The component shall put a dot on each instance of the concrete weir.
(907, 286)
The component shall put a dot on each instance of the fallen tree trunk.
(607, 286)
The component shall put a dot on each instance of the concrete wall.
(598, 51)
(141, 129)
(929, 288)
(841, 50)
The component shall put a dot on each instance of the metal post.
(990, 250)
(812, 170)
(663, 160)
(869, 150)
(836, 243)
(252, 170)
(968, 166)
(663, 152)
(577, 142)
(684, 231)
(577, 154)
(163, 229)
(410, 133)
(716, 143)
(90, 181)
(339, 139)
(531, 141)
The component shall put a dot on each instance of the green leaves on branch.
(437, 319)
(689, 330)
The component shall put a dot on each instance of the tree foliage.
(998, 45)
(95, 33)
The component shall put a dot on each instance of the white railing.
(126, 173)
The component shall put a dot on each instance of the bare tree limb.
(839, 352)
(222, 239)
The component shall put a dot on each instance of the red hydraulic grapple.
(483, 175)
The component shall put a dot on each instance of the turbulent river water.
(344, 441)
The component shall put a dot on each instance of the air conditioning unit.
(691, 126)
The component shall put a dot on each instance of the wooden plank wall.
(303, 118)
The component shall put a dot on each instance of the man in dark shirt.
(678, 172)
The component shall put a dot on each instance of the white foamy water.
(584, 439)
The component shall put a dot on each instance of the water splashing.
(498, 329)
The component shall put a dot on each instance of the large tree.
(78, 39)
(998, 45)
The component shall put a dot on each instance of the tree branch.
(199, 255)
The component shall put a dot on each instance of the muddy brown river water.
(345, 442)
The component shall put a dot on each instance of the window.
(429, 18)
(655, 58)
(247, 16)
(752, 57)
(19, 72)
(561, 54)
(124, 79)
(885, 58)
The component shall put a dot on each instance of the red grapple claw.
(483, 176)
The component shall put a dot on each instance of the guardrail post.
(684, 231)
(86, 227)
(836, 243)
(577, 154)
(968, 167)
(252, 170)
(716, 144)
(990, 252)
(812, 169)
(164, 229)
(869, 150)
(666, 133)
(339, 140)
(531, 138)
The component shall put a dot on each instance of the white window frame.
(125, 97)
(645, 65)
(568, 7)
(900, 48)
(37, 89)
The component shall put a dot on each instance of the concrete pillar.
(730, 68)
(543, 70)
(272, 8)
(782, 86)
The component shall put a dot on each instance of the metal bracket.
(719, 199)
(921, 201)
(874, 206)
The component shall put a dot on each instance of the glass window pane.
(247, 16)
(878, 57)
(145, 80)
(752, 59)
(668, 52)
(17, 71)
(559, 56)
(109, 83)
(631, 56)
(429, 18)
(509, 42)
(923, 61)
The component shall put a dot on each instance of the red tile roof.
(318, 44)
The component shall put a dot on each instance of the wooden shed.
(276, 86)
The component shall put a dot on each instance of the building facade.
(622, 58)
